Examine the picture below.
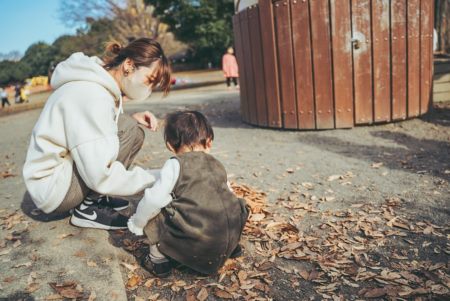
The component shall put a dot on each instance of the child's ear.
(209, 143)
(170, 147)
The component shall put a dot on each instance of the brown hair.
(143, 52)
(187, 128)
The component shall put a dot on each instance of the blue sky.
(24, 22)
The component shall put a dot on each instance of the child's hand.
(147, 119)
(134, 229)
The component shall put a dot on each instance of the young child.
(190, 214)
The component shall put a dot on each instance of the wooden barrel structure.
(324, 64)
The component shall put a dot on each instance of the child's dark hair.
(187, 128)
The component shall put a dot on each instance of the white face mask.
(135, 85)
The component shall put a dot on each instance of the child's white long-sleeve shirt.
(156, 197)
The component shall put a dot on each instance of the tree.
(11, 72)
(121, 20)
(74, 13)
(92, 40)
(206, 26)
(38, 57)
(64, 46)
(130, 18)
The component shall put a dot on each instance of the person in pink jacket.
(230, 68)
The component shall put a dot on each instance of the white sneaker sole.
(121, 208)
(83, 223)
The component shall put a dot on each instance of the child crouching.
(190, 214)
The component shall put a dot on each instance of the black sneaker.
(95, 216)
(107, 201)
(160, 270)
(237, 252)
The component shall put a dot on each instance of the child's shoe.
(237, 252)
(161, 269)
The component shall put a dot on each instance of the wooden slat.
(398, 41)
(323, 89)
(248, 65)
(270, 63)
(342, 62)
(425, 55)
(362, 62)
(431, 57)
(303, 64)
(413, 58)
(240, 59)
(381, 60)
(285, 63)
(258, 70)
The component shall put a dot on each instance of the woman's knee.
(139, 137)
(129, 131)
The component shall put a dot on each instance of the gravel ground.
(400, 169)
(330, 170)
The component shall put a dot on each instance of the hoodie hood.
(79, 67)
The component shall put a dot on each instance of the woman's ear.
(128, 66)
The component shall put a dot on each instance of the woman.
(81, 146)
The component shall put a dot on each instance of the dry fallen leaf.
(223, 294)
(149, 282)
(377, 165)
(62, 236)
(68, 289)
(290, 170)
(6, 174)
(4, 252)
(202, 294)
(375, 293)
(131, 267)
(91, 263)
(32, 287)
(333, 178)
(54, 297)
(133, 281)
(79, 253)
(154, 297)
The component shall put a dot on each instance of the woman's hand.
(147, 119)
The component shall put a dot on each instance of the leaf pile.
(367, 250)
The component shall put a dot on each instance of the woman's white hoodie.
(78, 125)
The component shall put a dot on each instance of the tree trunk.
(442, 24)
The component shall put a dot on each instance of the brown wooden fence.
(322, 64)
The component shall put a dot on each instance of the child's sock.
(156, 256)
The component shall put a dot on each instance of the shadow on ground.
(29, 208)
(439, 114)
(426, 156)
(19, 296)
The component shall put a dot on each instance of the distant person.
(230, 68)
(17, 89)
(82, 145)
(4, 96)
(435, 39)
(191, 214)
(24, 93)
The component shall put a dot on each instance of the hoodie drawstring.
(120, 110)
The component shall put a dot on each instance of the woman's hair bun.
(113, 47)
